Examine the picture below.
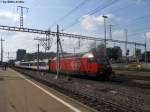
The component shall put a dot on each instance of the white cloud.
(90, 22)
(20, 41)
(118, 35)
(6, 15)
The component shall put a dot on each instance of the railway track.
(131, 99)
(98, 103)
(139, 75)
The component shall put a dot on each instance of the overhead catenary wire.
(142, 32)
(70, 12)
(135, 20)
(139, 31)
(92, 12)
(136, 31)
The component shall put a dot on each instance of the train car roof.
(45, 60)
(79, 55)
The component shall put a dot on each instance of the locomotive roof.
(84, 54)
(75, 55)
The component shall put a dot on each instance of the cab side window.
(90, 60)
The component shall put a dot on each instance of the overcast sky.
(83, 15)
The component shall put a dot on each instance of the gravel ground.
(133, 97)
(133, 74)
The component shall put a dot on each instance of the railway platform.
(22, 94)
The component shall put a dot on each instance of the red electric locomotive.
(85, 64)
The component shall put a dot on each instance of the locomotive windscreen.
(103, 60)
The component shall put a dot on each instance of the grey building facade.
(20, 54)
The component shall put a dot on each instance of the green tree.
(114, 53)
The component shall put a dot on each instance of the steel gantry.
(58, 34)
(10, 28)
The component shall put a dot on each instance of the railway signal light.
(127, 52)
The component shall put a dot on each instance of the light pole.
(105, 51)
(126, 42)
(110, 32)
(2, 50)
(58, 55)
(145, 50)
(38, 58)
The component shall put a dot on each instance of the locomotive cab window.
(103, 61)
(90, 60)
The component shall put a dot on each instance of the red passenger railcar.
(86, 64)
